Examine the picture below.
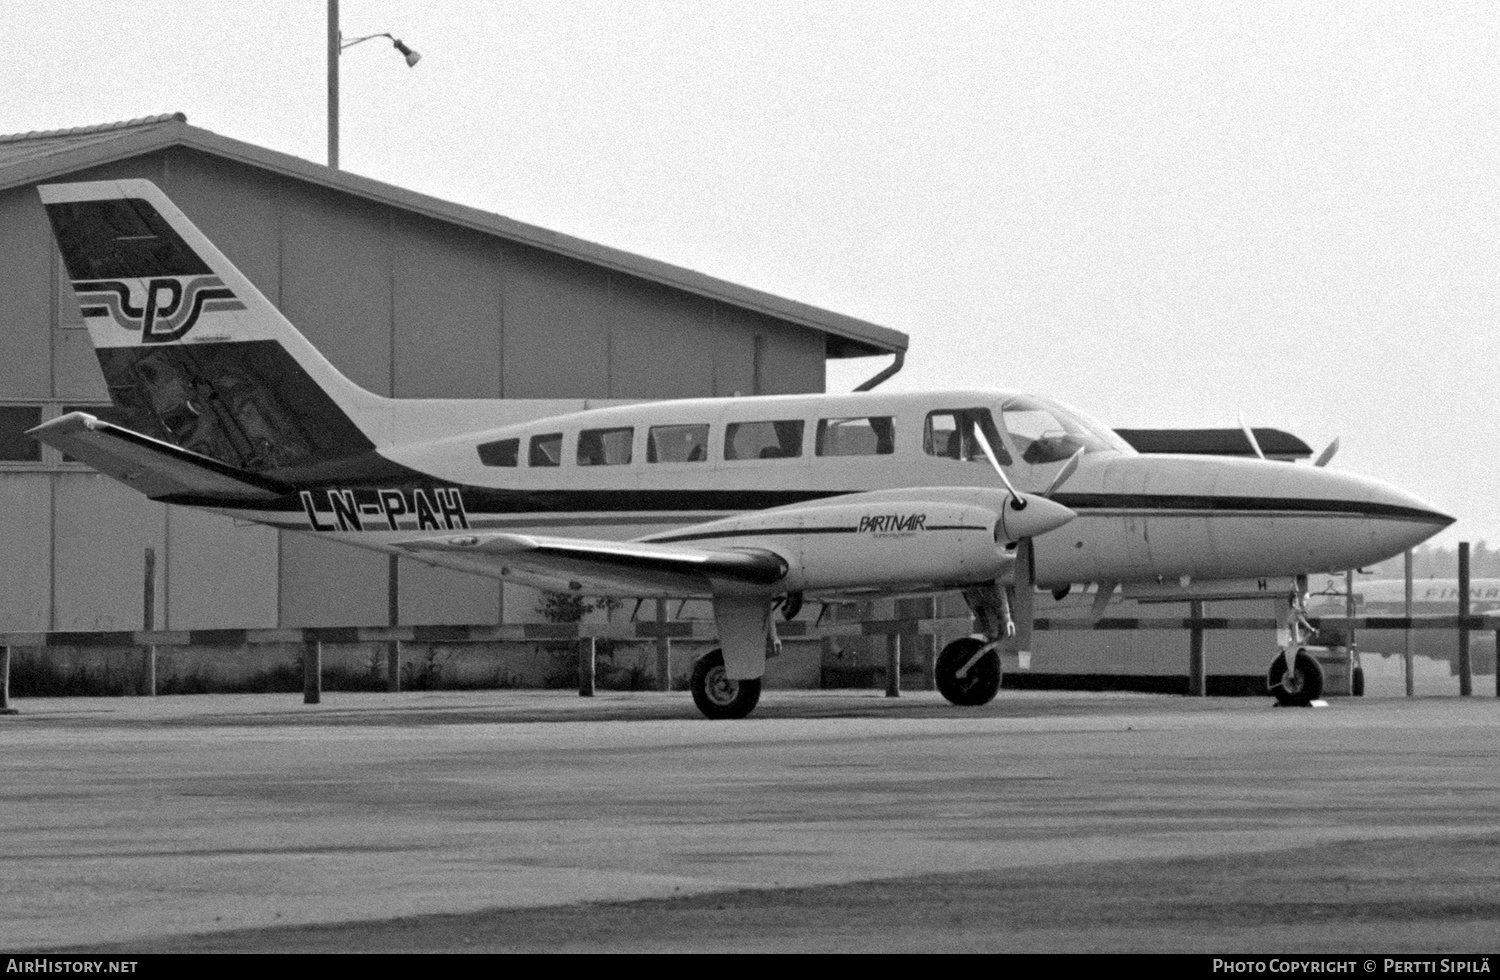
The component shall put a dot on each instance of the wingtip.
(71, 422)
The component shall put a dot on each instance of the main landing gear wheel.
(976, 687)
(1302, 686)
(716, 694)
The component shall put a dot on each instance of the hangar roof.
(36, 157)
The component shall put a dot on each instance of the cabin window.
(545, 450)
(502, 452)
(950, 434)
(763, 440)
(605, 447)
(864, 436)
(677, 444)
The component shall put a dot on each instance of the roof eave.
(855, 337)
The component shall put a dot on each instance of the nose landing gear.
(1295, 678)
(1301, 685)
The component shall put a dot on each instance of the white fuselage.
(625, 472)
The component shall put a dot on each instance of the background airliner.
(752, 503)
(1387, 597)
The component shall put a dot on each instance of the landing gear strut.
(1295, 678)
(968, 670)
(716, 694)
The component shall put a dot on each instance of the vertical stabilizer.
(192, 353)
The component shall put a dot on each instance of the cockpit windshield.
(1047, 432)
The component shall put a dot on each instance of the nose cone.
(1350, 521)
(1217, 518)
(1401, 520)
(1038, 516)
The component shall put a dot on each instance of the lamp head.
(411, 56)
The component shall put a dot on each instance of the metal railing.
(588, 635)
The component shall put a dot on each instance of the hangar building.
(409, 296)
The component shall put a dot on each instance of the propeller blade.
(1101, 601)
(1023, 610)
(989, 454)
(1250, 435)
(1326, 455)
(1064, 473)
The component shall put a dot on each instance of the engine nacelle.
(928, 537)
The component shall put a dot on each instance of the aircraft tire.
(1302, 686)
(718, 696)
(1357, 683)
(982, 682)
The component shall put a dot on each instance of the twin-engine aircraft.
(753, 503)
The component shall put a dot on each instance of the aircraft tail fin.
(158, 469)
(193, 354)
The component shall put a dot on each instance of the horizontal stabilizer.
(158, 469)
(651, 566)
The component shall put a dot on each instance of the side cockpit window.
(863, 436)
(763, 440)
(605, 447)
(502, 452)
(1043, 434)
(950, 434)
(677, 444)
(545, 450)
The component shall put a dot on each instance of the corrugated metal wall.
(404, 305)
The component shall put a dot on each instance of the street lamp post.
(336, 45)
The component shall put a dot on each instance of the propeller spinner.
(1025, 516)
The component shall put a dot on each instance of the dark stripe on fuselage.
(488, 500)
(1147, 503)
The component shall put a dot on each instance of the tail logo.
(161, 310)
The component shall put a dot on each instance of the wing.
(158, 469)
(633, 568)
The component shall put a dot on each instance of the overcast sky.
(1163, 213)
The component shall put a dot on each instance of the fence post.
(393, 666)
(312, 671)
(1465, 660)
(927, 647)
(586, 667)
(663, 646)
(1197, 681)
(148, 619)
(1411, 682)
(393, 619)
(893, 665)
(5, 708)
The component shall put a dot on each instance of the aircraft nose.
(1410, 519)
(1393, 520)
(1039, 516)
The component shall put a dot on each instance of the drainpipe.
(894, 366)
